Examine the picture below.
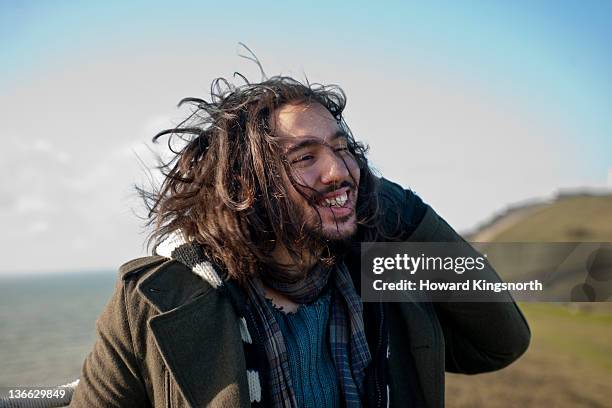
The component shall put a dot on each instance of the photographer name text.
(468, 285)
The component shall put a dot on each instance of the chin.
(342, 232)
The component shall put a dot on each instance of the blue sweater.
(313, 374)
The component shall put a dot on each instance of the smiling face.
(325, 172)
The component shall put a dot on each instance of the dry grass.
(569, 364)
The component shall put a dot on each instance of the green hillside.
(526, 234)
(568, 219)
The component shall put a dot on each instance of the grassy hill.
(568, 219)
(569, 362)
(556, 242)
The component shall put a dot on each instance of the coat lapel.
(198, 337)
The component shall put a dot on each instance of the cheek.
(353, 168)
(297, 192)
(306, 177)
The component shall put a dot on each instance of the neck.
(280, 301)
(294, 269)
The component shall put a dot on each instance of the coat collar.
(197, 276)
(171, 285)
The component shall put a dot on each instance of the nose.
(333, 168)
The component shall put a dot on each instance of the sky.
(474, 106)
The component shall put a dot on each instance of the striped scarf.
(349, 347)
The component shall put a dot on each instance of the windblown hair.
(225, 187)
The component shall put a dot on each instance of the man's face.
(316, 148)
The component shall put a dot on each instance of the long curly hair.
(224, 188)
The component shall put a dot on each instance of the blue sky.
(527, 82)
(552, 57)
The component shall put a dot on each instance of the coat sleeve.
(110, 374)
(479, 336)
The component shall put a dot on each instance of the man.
(251, 299)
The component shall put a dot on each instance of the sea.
(47, 325)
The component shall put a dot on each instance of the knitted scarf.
(347, 338)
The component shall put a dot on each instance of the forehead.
(295, 122)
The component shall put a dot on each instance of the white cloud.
(28, 204)
(43, 147)
(37, 227)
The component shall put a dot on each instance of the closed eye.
(303, 158)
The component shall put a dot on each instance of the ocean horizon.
(47, 324)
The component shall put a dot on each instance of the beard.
(321, 236)
(314, 246)
(334, 237)
(330, 241)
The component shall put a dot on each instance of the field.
(569, 364)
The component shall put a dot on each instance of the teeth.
(338, 201)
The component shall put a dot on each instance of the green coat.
(169, 339)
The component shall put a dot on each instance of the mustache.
(318, 195)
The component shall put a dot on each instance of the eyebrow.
(311, 141)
